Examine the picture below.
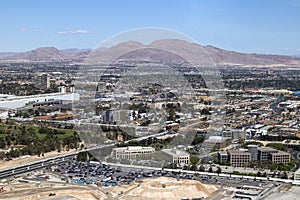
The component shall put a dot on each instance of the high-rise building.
(44, 81)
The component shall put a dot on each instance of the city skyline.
(268, 27)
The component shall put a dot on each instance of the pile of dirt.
(166, 188)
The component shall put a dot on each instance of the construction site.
(39, 185)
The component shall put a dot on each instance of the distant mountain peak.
(190, 51)
(41, 54)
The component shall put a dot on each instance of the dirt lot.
(62, 192)
(27, 159)
(162, 188)
(159, 188)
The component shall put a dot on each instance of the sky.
(253, 26)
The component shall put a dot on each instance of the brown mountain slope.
(188, 51)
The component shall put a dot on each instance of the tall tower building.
(45, 81)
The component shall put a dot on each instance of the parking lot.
(106, 175)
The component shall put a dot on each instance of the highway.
(20, 169)
(24, 168)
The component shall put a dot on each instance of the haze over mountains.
(192, 52)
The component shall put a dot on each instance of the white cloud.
(38, 30)
(286, 49)
(23, 30)
(78, 31)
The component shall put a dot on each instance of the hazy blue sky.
(260, 26)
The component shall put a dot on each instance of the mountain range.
(166, 49)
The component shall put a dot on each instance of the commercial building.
(281, 157)
(239, 158)
(132, 152)
(217, 142)
(14, 102)
(44, 81)
(227, 134)
(253, 150)
(223, 156)
(107, 116)
(264, 153)
(112, 115)
(297, 175)
(179, 157)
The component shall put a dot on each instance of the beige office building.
(281, 157)
(239, 158)
(179, 157)
(133, 152)
(264, 153)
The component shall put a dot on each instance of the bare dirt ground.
(62, 192)
(19, 161)
(162, 188)
(158, 188)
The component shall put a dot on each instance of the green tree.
(198, 140)
(193, 167)
(278, 146)
(194, 160)
(284, 175)
(258, 174)
(2, 143)
(2, 155)
(219, 170)
(185, 167)
(202, 168)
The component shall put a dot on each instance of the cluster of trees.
(278, 146)
(263, 83)
(210, 169)
(198, 140)
(273, 166)
(37, 141)
(18, 89)
(113, 132)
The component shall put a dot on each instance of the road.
(20, 169)
(15, 170)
